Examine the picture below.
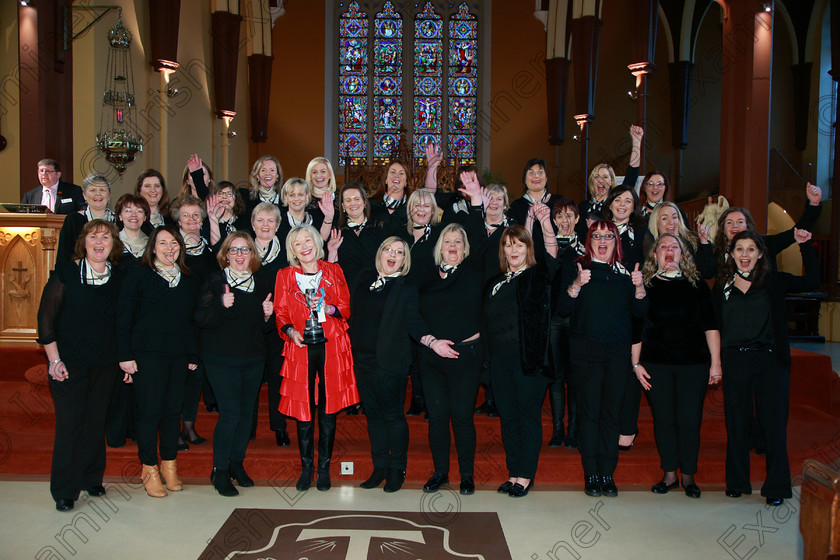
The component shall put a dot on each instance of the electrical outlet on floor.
(347, 467)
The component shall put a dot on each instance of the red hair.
(618, 254)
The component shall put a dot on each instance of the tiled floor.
(545, 525)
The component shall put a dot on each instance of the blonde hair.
(416, 198)
(439, 245)
(594, 173)
(687, 266)
(293, 236)
(254, 178)
(406, 265)
(290, 185)
(685, 234)
(332, 183)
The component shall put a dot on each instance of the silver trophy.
(313, 333)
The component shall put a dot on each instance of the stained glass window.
(353, 85)
(433, 95)
(428, 79)
(387, 76)
(463, 84)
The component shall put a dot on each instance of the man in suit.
(58, 196)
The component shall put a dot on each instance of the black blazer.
(399, 323)
(68, 198)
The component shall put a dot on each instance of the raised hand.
(636, 276)
(542, 213)
(583, 277)
(327, 207)
(335, 241)
(814, 194)
(214, 210)
(637, 133)
(194, 163)
(801, 235)
(433, 157)
(227, 297)
(471, 188)
(268, 306)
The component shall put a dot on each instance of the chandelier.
(116, 139)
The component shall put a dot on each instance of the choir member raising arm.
(749, 298)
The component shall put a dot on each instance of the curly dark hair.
(762, 266)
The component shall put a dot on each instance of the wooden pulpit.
(27, 255)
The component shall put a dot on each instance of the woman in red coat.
(317, 376)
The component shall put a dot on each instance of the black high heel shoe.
(629, 447)
(197, 441)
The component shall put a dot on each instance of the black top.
(237, 331)
(268, 274)
(746, 319)
(382, 323)
(80, 318)
(358, 249)
(777, 284)
(603, 309)
(632, 247)
(423, 268)
(591, 209)
(392, 220)
(70, 231)
(451, 306)
(202, 265)
(454, 206)
(154, 317)
(679, 314)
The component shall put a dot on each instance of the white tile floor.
(546, 525)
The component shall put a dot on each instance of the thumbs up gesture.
(583, 276)
(636, 276)
(227, 297)
(268, 306)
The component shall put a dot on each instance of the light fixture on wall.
(767, 7)
(24, 3)
(116, 138)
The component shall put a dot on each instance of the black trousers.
(235, 383)
(382, 394)
(676, 400)
(600, 377)
(519, 402)
(121, 420)
(159, 387)
(192, 393)
(450, 387)
(561, 391)
(316, 355)
(271, 376)
(747, 376)
(81, 404)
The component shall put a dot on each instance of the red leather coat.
(339, 379)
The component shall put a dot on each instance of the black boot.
(237, 473)
(557, 435)
(222, 483)
(306, 445)
(326, 438)
(375, 479)
(394, 479)
(571, 433)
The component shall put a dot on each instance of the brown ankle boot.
(169, 471)
(151, 481)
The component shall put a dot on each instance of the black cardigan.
(400, 321)
(778, 285)
(533, 301)
(154, 317)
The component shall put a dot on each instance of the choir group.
(337, 297)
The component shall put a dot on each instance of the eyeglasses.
(605, 236)
(656, 184)
(393, 251)
(134, 211)
(224, 194)
(239, 250)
